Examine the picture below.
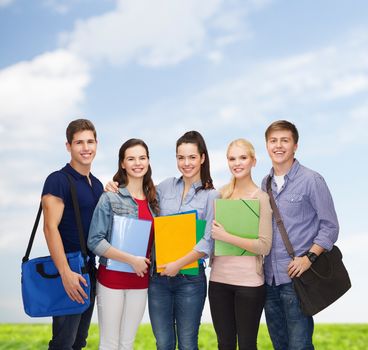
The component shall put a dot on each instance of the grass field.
(326, 337)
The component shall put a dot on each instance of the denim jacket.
(110, 204)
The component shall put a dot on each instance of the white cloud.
(157, 33)
(309, 86)
(227, 113)
(154, 33)
(348, 85)
(37, 98)
(4, 3)
(39, 93)
(279, 87)
(215, 56)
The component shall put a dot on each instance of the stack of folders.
(129, 235)
(239, 217)
(175, 236)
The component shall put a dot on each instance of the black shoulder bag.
(324, 282)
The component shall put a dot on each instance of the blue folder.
(131, 236)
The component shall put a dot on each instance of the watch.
(311, 256)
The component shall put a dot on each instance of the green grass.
(326, 337)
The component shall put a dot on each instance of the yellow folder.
(175, 236)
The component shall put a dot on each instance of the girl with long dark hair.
(176, 300)
(121, 296)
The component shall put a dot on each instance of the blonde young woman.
(236, 287)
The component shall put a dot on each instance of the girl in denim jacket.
(176, 300)
(121, 296)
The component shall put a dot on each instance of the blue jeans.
(289, 328)
(70, 332)
(175, 307)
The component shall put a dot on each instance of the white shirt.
(280, 180)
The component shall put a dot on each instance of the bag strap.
(82, 241)
(279, 222)
(78, 219)
(31, 239)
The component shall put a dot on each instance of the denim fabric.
(175, 307)
(70, 332)
(121, 203)
(289, 328)
(309, 216)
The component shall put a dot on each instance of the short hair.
(283, 125)
(77, 126)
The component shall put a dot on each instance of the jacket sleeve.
(100, 226)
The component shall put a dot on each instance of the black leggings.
(236, 312)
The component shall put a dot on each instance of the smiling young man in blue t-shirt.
(60, 228)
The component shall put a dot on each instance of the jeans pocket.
(193, 278)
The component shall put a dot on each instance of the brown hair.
(283, 125)
(196, 138)
(122, 178)
(77, 126)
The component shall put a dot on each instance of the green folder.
(239, 217)
(200, 229)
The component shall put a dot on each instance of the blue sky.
(155, 69)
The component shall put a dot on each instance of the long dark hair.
(122, 178)
(196, 138)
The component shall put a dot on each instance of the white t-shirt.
(280, 180)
